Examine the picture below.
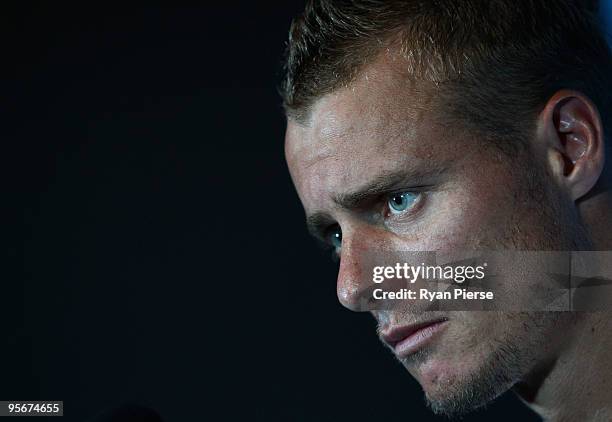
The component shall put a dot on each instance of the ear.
(571, 127)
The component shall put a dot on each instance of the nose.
(365, 250)
(354, 284)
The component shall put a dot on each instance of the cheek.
(467, 216)
(466, 348)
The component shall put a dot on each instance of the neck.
(575, 385)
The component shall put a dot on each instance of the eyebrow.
(384, 183)
(318, 223)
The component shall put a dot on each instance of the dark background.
(157, 250)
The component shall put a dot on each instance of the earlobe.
(575, 140)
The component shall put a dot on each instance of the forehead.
(381, 121)
(382, 100)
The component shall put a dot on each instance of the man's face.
(376, 162)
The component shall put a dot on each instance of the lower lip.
(418, 339)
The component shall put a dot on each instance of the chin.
(457, 384)
(454, 393)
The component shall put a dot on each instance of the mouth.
(408, 339)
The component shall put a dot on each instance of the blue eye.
(335, 237)
(398, 203)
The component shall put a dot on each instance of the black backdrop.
(159, 249)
